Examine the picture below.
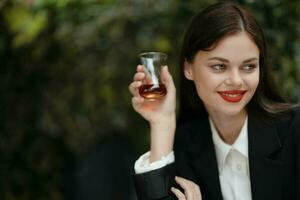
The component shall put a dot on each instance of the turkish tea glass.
(152, 88)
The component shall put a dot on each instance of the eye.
(218, 67)
(249, 67)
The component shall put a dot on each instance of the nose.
(234, 78)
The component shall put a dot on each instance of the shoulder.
(294, 118)
(296, 121)
(296, 112)
(285, 125)
(288, 119)
(295, 129)
(289, 124)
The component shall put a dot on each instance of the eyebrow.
(227, 61)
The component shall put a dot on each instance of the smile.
(232, 96)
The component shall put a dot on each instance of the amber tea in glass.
(150, 91)
(152, 88)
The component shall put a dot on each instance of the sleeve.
(184, 159)
(142, 165)
(156, 184)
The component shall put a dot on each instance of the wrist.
(163, 123)
(162, 137)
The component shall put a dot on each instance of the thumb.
(166, 78)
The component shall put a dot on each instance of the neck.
(228, 127)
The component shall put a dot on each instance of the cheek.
(206, 84)
(252, 84)
(253, 81)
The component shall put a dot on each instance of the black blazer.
(274, 161)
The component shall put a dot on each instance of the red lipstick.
(232, 96)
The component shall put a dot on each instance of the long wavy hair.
(204, 31)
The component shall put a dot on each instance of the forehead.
(235, 48)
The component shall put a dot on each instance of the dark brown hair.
(205, 30)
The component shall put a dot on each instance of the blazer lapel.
(204, 160)
(264, 145)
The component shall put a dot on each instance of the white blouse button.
(239, 167)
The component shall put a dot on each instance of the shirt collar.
(222, 149)
(241, 143)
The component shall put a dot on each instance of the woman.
(235, 137)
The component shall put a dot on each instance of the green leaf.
(25, 24)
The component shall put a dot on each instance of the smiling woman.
(235, 138)
(219, 74)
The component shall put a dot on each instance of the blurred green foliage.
(66, 65)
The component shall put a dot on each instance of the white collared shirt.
(233, 164)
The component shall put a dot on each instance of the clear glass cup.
(152, 88)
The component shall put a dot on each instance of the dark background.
(67, 128)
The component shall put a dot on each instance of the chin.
(230, 109)
(232, 112)
(225, 109)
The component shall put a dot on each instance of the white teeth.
(231, 95)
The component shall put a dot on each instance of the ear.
(188, 73)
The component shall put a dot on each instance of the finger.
(198, 192)
(140, 68)
(136, 102)
(167, 78)
(178, 193)
(139, 76)
(147, 77)
(195, 194)
(186, 185)
(143, 76)
(194, 189)
(134, 88)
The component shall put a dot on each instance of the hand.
(191, 190)
(160, 113)
(154, 111)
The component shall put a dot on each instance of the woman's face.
(227, 76)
